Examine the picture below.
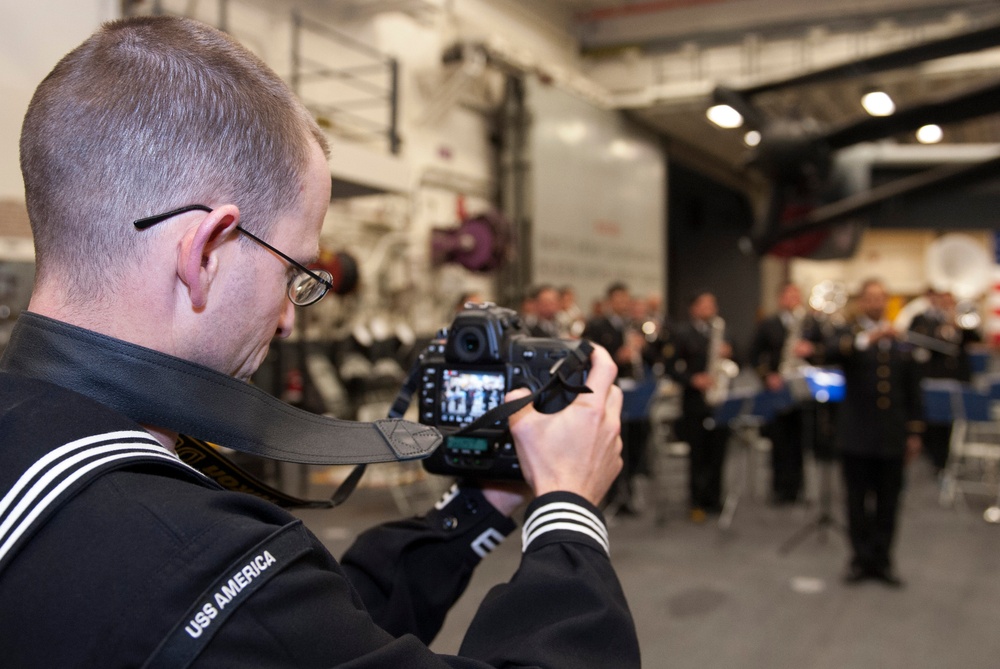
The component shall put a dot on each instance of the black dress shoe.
(856, 574)
(889, 578)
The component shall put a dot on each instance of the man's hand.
(774, 381)
(803, 348)
(882, 333)
(914, 444)
(578, 449)
(702, 381)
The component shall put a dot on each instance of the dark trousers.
(635, 458)
(706, 460)
(785, 433)
(873, 492)
(937, 443)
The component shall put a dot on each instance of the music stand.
(825, 386)
(744, 413)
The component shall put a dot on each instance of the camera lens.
(470, 344)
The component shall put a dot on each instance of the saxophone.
(722, 370)
(790, 364)
(792, 367)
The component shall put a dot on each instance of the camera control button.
(528, 355)
(449, 523)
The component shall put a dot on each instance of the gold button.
(884, 386)
(883, 403)
(883, 371)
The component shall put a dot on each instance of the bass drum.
(958, 264)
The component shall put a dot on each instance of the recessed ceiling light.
(878, 103)
(724, 116)
(752, 138)
(930, 134)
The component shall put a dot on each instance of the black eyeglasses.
(305, 288)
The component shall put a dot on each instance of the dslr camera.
(466, 371)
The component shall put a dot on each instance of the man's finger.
(603, 371)
(517, 394)
(613, 405)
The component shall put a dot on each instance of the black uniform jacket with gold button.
(882, 404)
(155, 547)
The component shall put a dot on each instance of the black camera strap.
(160, 390)
(211, 462)
(498, 414)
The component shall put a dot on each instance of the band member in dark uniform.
(939, 322)
(692, 368)
(543, 322)
(774, 355)
(613, 331)
(879, 430)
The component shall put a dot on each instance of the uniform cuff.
(464, 512)
(563, 516)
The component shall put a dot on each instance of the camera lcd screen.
(468, 444)
(465, 395)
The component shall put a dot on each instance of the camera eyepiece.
(470, 344)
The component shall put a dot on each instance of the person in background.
(880, 423)
(691, 367)
(940, 323)
(543, 322)
(613, 330)
(570, 316)
(773, 356)
(475, 297)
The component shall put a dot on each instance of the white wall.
(33, 37)
(897, 257)
(598, 188)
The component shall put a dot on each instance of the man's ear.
(198, 258)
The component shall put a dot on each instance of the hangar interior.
(490, 146)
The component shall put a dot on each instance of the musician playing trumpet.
(699, 365)
(879, 431)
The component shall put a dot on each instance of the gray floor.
(706, 597)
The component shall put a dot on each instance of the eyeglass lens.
(305, 289)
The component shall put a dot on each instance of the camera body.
(466, 371)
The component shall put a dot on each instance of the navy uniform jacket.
(690, 348)
(938, 365)
(768, 345)
(882, 403)
(123, 561)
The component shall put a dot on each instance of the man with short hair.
(176, 190)
(880, 426)
(543, 323)
(691, 367)
(613, 330)
(771, 353)
(940, 322)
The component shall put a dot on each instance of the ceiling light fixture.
(752, 138)
(724, 116)
(930, 134)
(878, 103)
